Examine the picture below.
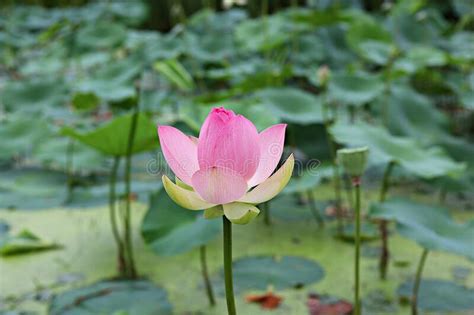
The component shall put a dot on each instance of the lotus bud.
(324, 74)
(354, 160)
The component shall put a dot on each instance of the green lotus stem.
(384, 253)
(266, 213)
(337, 183)
(128, 245)
(69, 169)
(416, 286)
(442, 195)
(205, 276)
(357, 310)
(314, 210)
(335, 171)
(349, 193)
(388, 87)
(229, 286)
(121, 262)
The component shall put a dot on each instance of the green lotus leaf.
(171, 230)
(413, 114)
(439, 296)
(53, 152)
(22, 243)
(174, 71)
(318, 18)
(112, 137)
(115, 80)
(460, 47)
(265, 33)
(409, 31)
(36, 94)
(384, 147)
(85, 101)
(378, 52)
(260, 272)
(210, 47)
(430, 226)
(366, 30)
(308, 180)
(355, 89)
(121, 297)
(424, 56)
(311, 51)
(24, 134)
(32, 188)
(101, 35)
(290, 208)
(293, 105)
(131, 12)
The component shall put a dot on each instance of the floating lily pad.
(293, 105)
(53, 153)
(379, 302)
(307, 181)
(259, 272)
(113, 297)
(369, 232)
(425, 163)
(439, 296)
(32, 189)
(289, 208)
(112, 138)
(23, 243)
(355, 89)
(430, 226)
(170, 230)
(4, 227)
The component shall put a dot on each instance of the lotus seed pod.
(354, 160)
(324, 74)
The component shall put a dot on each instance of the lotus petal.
(219, 185)
(180, 152)
(271, 148)
(240, 213)
(230, 141)
(272, 186)
(185, 198)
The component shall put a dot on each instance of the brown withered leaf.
(267, 301)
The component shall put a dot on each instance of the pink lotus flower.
(228, 170)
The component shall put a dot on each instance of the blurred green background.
(79, 79)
